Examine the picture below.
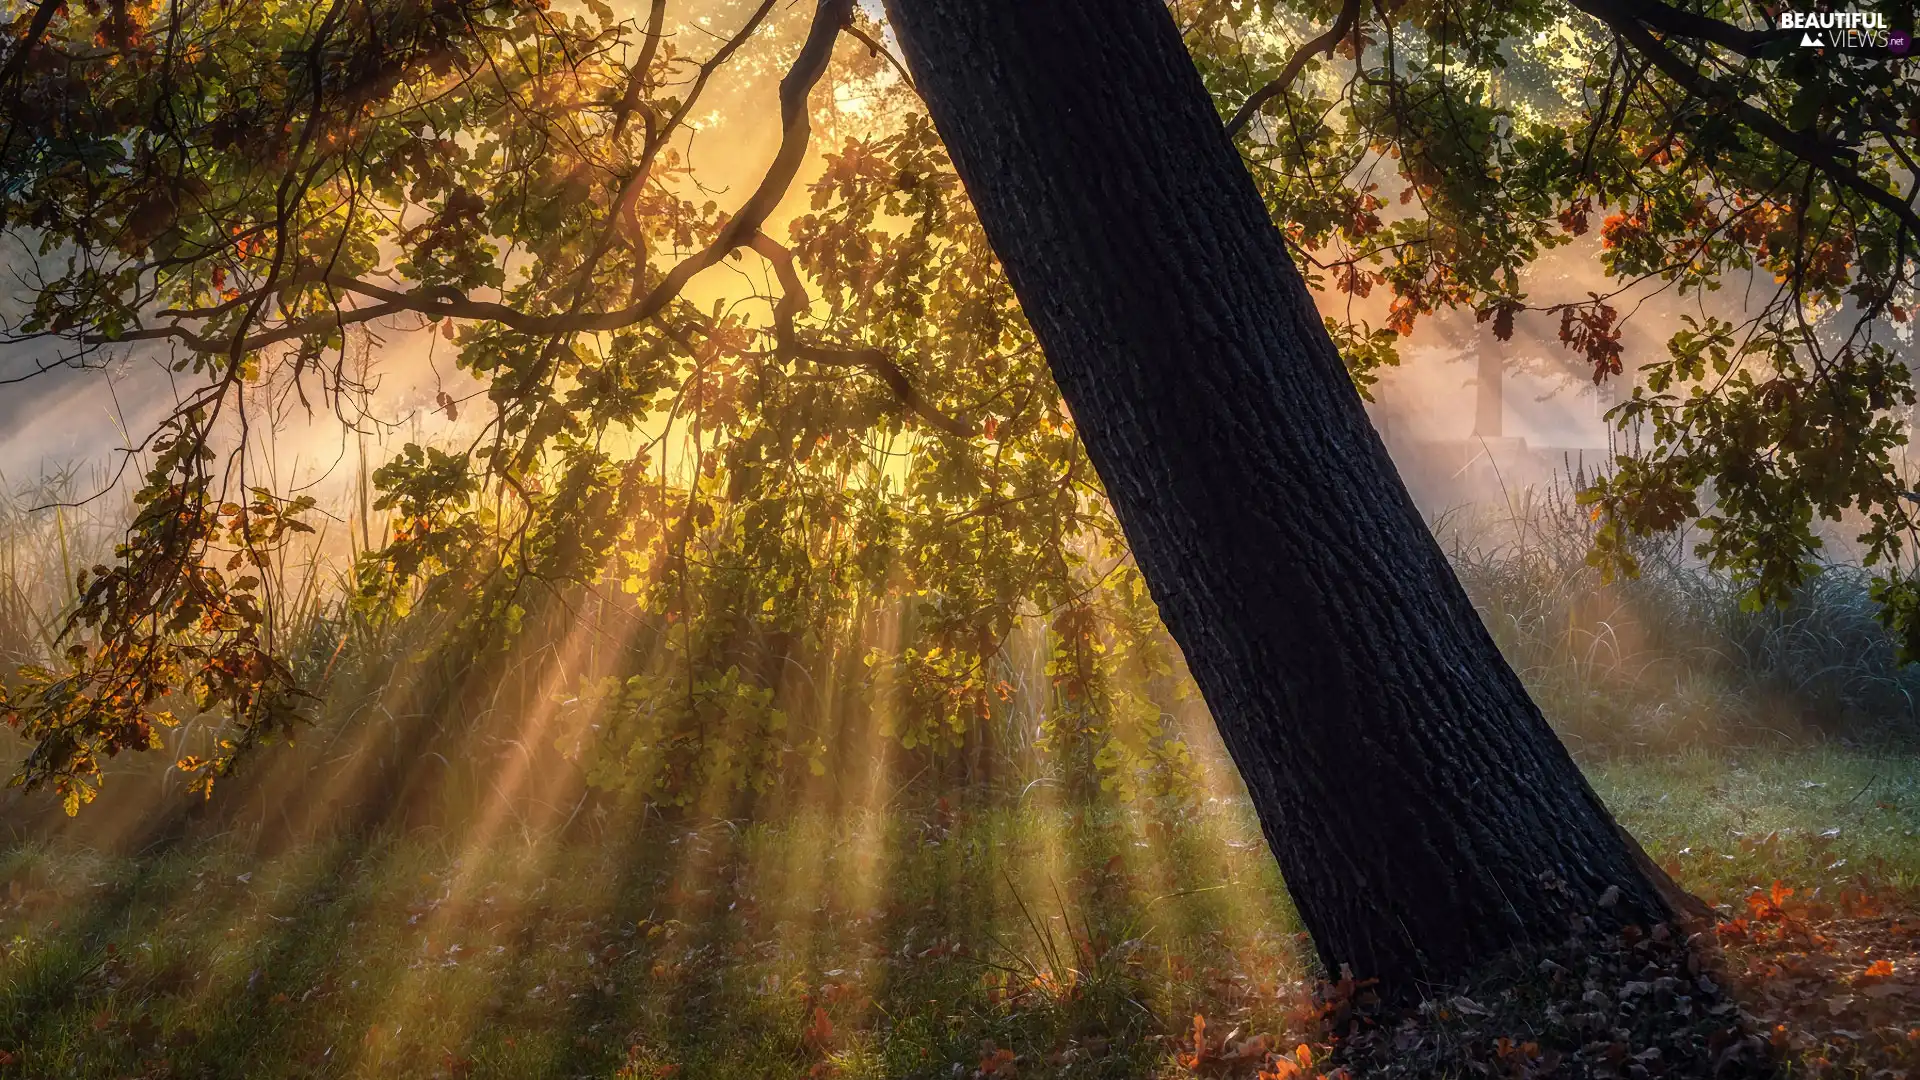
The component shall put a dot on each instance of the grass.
(1818, 819)
(708, 949)
(1675, 659)
(902, 943)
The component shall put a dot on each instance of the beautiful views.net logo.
(1846, 30)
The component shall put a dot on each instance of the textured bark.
(1425, 816)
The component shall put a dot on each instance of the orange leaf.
(820, 1032)
(1880, 968)
(1199, 1055)
(1305, 1055)
(995, 1061)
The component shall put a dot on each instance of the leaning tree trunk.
(1425, 816)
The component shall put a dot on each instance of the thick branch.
(1342, 26)
(444, 302)
(874, 361)
(1674, 22)
(17, 59)
(317, 324)
(795, 125)
(796, 128)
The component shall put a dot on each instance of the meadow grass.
(892, 945)
(1824, 818)
(902, 943)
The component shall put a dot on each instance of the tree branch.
(1342, 25)
(637, 75)
(796, 128)
(1674, 22)
(874, 361)
(442, 302)
(744, 229)
(1822, 154)
(875, 48)
(17, 59)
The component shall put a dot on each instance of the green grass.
(708, 949)
(1817, 819)
(704, 951)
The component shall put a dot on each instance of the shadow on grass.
(897, 942)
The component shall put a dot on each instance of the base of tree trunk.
(1623, 1006)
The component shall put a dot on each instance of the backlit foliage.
(1708, 152)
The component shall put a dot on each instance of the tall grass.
(58, 525)
(49, 531)
(1674, 659)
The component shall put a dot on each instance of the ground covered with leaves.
(940, 940)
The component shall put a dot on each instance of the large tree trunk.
(1425, 816)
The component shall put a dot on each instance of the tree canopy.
(747, 424)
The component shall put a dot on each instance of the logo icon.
(1809, 41)
(1899, 42)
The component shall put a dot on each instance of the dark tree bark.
(1425, 816)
